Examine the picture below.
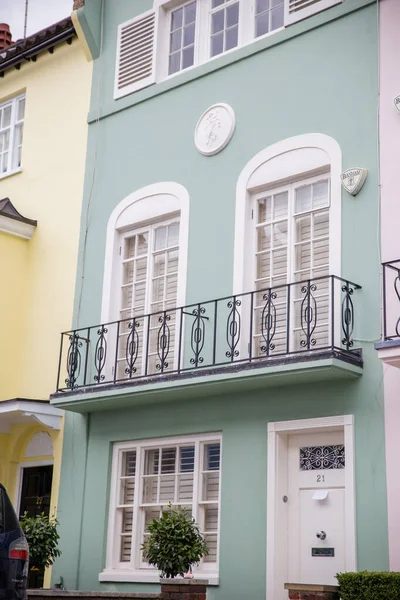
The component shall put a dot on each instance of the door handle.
(321, 535)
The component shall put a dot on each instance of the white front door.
(316, 507)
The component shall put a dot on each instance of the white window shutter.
(136, 44)
(296, 10)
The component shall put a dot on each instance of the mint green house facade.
(227, 290)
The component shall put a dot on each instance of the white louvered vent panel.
(135, 59)
(295, 10)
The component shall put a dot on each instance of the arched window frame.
(150, 203)
(245, 188)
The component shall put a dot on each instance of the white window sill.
(129, 576)
(10, 173)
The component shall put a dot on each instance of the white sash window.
(146, 477)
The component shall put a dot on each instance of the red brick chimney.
(5, 36)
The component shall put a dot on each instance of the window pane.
(127, 491)
(4, 141)
(188, 35)
(173, 234)
(217, 44)
(21, 109)
(187, 459)
(174, 63)
(303, 198)
(159, 265)
(261, 5)
(212, 457)
(6, 120)
(320, 193)
(262, 24)
(232, 15)
(231, 40)
(190, 13)
(143, 239)
(168, 459)
(321, 224)
(280, 205)
(129, 464)
(176, 40)
(217, 22)
(160, 238)
(280, 234)
(177, 18)
(188, 57)
(277, 17)
(126, 547)
(216, 3)
(151, 462)
(264, 209)
(210, 486)
(185, 487)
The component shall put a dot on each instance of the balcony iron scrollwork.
(317, 315)
(308, 315)
(396, 285)
(268, 322)
(74, 361)
(163, 341)
(100, 355)
(347, 316)
(233, 328)
(132, 347)
(197, 335)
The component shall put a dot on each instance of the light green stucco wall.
(321, 81)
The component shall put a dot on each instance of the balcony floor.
(305, 367)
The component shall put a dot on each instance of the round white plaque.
(215, 129)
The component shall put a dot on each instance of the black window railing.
(262, 325)
(391, 300)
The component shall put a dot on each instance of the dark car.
(14, 552)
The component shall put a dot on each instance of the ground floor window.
(150, 474)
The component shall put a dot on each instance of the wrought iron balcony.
(257, 328)
(391, 300)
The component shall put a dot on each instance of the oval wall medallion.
(215, 129)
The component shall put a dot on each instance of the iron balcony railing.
(291, 319)
(391, 300)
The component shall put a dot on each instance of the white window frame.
(13, 102)
(133, 571)
(287, 160)
(202, 53)
(290, 188)
(151, 203)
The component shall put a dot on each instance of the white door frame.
(21, 467)
(277, 456)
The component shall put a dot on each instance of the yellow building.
(45, 83)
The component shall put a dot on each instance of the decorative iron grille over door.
(150, 261)
(291, 245)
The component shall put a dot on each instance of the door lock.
(321, 535)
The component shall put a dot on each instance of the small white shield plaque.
(397, 103)
(353, 179)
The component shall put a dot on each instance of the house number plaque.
(323, 552)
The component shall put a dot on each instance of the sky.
(41, 13)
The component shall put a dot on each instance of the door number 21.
(320, 478)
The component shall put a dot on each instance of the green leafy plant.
(367, 585)
(42, 536)
(174, 543)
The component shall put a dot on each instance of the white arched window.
(287, 240)
(145, 274)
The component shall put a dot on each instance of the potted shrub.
(42, 536)
(174, 543)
